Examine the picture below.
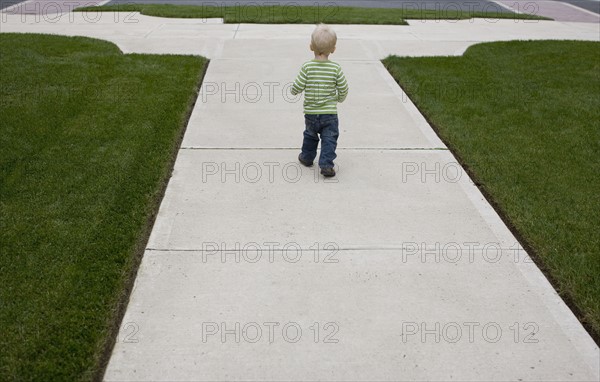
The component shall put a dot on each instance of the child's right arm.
(300, 82)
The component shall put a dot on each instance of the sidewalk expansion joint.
(160, 26)
(339, 148)
(236, 31)
(347, 249)
(366, 60)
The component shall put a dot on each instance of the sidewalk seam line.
(339, 148)
(311, 249)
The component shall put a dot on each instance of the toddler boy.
(324, 85)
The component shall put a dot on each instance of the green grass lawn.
(524, 117)
(302, 15)
(88, 136)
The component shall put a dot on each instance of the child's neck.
(321, 57)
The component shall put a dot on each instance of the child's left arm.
(342, 85)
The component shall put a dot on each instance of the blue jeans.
(326, 127)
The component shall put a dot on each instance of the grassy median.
(524, 118)
(88, 136)
(291, 14)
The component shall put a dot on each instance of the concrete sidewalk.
(397, 269)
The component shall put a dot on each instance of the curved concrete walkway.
(259, 269)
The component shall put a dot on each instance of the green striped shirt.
(324, 85)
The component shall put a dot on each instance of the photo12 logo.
(453, 332)
(435, 172)
(454, 11)
(269, 252)
(247, 92)
(255, 172)
(270, 332)
(253, 12)
(68, 11)
(465, 252)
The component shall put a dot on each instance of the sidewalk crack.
(236, 31)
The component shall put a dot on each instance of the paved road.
(590, 5)
(482, 5)
(8, 3)
(479, 5)
(555, 10)
(50, 9)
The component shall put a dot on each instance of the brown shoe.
(328, 172)
(307, 164)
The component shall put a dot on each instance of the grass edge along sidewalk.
(252, 14)
(522, 117)
(89, 137)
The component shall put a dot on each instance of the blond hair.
(323, 39)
